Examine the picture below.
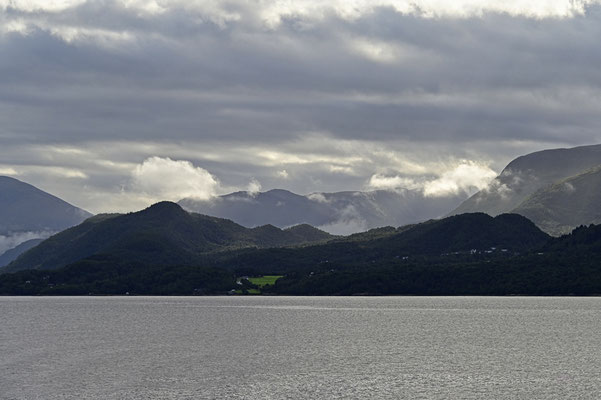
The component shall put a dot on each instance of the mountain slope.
(23, 207)
(163, 233)
(570, 265)
(464, 234)
(563, 205)
(337, 213)
(10, 255)
(528, 185)
(527, 174)
(27, 212)
(450, 256)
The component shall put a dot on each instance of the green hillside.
(161, 234)
(468, 254)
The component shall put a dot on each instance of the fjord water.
(300, 348)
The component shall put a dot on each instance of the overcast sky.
(112, 105)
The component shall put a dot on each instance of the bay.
(300, 348)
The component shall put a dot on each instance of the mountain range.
(339, 213)
(557, 189)
(465, 254)
(491, 244)
(161, 234)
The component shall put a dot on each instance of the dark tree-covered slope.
(467, 233)
(472, 254)
(161, 234)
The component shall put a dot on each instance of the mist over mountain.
(161, 234)
(560, 207)
(27, 212)
(337, 213)
(12, 254)
(557, 189)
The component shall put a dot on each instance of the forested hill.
(468, 254)
(569, 265)
(450, 256)
(161, 234)
(476, 233)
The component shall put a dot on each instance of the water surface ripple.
(300, 348)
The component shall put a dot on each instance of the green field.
(265, 280)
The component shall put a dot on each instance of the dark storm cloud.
(223, 76)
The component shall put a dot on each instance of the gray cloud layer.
(331, 94)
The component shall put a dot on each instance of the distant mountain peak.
(27, 212)
(339, 213)
(557, 189)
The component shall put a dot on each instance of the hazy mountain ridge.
(337, 213)
(557, 189)
(163, 233)
(27, 212)
(12, 254)
(24, 207)
(566, 204)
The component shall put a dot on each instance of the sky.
(115, 104)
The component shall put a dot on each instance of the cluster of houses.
(477, 251)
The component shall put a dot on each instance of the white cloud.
(64, 172)
(8, 242)
(8, 171)
(160, 178)
(464, 177)
(383, 182)
(568, 187)
(318, 197)
(468, 176)
(270, 14)
(283, 174)
(348, 221)
(275, 11)
(40, 5)
(254, 187)
(345, 227)
(377, 51)
(339, 169)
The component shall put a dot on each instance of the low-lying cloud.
(347, 221)
(9, 241)
(467, 177)
(254, 187)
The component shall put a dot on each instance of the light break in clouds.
(112, 104)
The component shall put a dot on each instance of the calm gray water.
(300, 348)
